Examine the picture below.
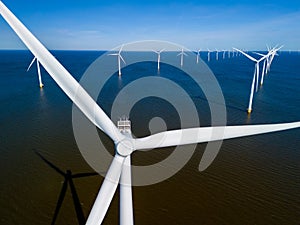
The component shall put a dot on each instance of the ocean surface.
(253, 180)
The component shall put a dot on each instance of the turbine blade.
(162, 50)
(245, 54)
(106, 192)
(60, 201)
(257, 53)
(122, 59)
(121, 49)
(126, 207)
(62, 77)
(207, 134)
(31, 64)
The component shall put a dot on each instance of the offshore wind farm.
(254, 179)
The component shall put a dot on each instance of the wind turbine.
(119, 59)
(255, 76)
(229, 54)
(272, 53)
(224, 54)
(181, 54)
(158, 58)
(125, 145)
(267, 61)
(208, 55)
(198, 56)
(38, 70)
(217, 54)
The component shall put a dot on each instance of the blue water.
(254, 180)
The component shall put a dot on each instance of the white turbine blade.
(121, 49)
(31, 64)
(126, 207)
(257, 53)
(162, 50)
(122, 58)
(62, 77)
(114, 54)
(106, 192)
(245, 54)
(206, 134)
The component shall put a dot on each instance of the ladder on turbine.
(124, 125)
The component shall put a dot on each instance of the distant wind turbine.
(158, 57)
(208, 55)
(119, 59)
(272, 54)
(38, 70)
(267, 61)
(217, 54)
(181, 54)
(255, 76)
(224, 54)
(198, 56)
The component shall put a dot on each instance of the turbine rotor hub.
(125, 147)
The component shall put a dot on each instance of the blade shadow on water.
(68, 179)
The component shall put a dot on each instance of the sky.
(195, 24)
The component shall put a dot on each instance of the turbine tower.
(198, 56)
(38, 70)
(125, 145)
(119, 59)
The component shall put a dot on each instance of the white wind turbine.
(267, 62)
(229, 54)
(255, 76)
(224, 54)
(208, 54)
(272, 53)
(181, 54)
(125, 145)
(217, 54)
(198, 56)
(119, 59)
(38, 70)
(158, 58)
